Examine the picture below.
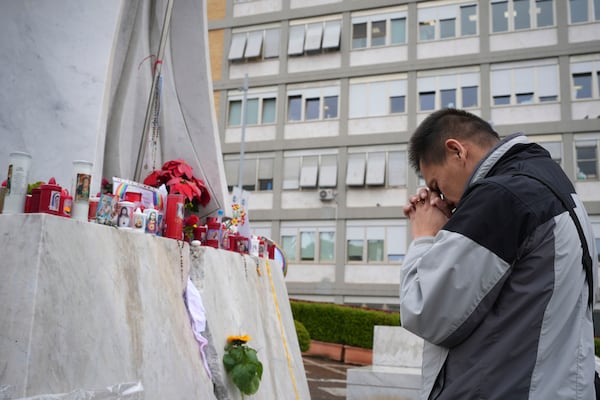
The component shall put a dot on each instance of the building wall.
(335, 88)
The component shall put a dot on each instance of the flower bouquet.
(178, 177)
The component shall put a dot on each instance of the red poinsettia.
(178, 177)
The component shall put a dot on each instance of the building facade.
(335, 89)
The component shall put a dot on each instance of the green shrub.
(334, 323)
(597, 346)
(303, 336)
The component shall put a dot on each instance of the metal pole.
(157, 70)
(243, 140)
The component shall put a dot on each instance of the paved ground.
(326, 378)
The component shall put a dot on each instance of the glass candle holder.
(16, 182)
(82, 181)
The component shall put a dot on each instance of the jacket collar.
(495, 154)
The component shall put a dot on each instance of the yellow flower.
(244, 339)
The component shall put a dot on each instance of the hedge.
(303, 336)
(334, 323)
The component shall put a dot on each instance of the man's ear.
(454, 149)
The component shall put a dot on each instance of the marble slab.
(396, 369)
(86, 306)
(396, 347)
(245, 295)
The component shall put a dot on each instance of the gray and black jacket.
(500, 294)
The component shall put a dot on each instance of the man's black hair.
(428, 141)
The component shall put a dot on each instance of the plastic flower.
(242, 364)
(189, 224)
(106, 186)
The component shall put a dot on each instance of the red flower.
(191, 220)
(178, 177)
(4, 183)
(154, 179)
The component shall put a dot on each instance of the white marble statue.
(77, 88)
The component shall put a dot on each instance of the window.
(500, 16)
(584, 11)
(397, 104)
(525, 83)
(521, 14)
(469, 96)
(458, 90)
(309, 171)
(314, 37)
(447, 21)
(377, 167)
(257, 174)
(260, 109)
(582, 85)
(308, 242)
(307, 246)
(252, 111)
(313, 104)
(378, 33)
(359, 35)
(545, 13)
(288, 243)
(235, 112)
(370, 98)
(254, 45)
(326, 246)
(398, 34)
(426, 101)
(375, 242)
(295, 108)
(468, 20)
(587, 159)
(585, 77)
(312, 109)
(378, 30)
(514, 15)
(448, 98)
(330, 107)
(447, 28)
(524, 98)
(268, 110)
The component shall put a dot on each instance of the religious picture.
(106, 209)
(54, 201)
(152, 224)
(82, 192)
(124, 218)
(9, 179)
(138, 221)
(180, 210)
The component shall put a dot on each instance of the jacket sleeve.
(447, 284)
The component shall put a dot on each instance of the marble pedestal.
(396, 370)
(85, 307)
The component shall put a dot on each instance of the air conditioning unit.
(326, 194)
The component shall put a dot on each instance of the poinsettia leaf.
(186, 170)
(152, 179)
